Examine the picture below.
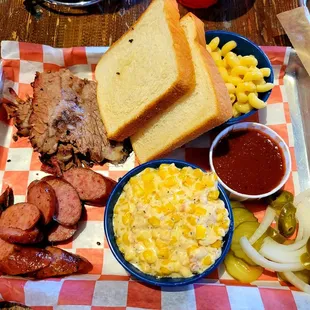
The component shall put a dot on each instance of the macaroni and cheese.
(170, 222)
(242, 77)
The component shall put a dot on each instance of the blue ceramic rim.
(240, 118)
(135, 271)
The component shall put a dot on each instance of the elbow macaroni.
(178, 224)
(241, 76)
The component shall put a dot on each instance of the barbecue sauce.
(249, 162)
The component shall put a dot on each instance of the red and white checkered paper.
(108, 286)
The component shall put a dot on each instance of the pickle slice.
(282, 200)
(236, 204)
(240, 270)
(242, 215)
(245, 229)
(276, 236)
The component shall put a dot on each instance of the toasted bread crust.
(184, 83)
(223, 106)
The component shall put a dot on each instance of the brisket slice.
(64, 124)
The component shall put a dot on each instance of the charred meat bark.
(63, 123)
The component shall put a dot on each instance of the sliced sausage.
(21, 215)
(84, 266)
(6, 199)
(63, 263)
(15, 260)
(16, 235)
(60, 233)
(92, 187)
(69, 207)
(41, 194)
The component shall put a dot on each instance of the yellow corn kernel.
(214, 43)
(154, 221)
(173, 169)
(225, 224)
(197, 173)
(207, 261)
(264, 88)
(186, 231)
(248, 61)
(137, 191)
(133, 181)
(147, 243)
(217, 244)
(232, 98)
(164, 271)
(232, 59)
(160, 244)
(148, 176)
(176, 267)
(149, 187)
(191, 208)
(188, 181)
(163, 174)
(143, 235)
(173, 241)
(255, 102)
(170, 182)
(127, 219)
(168, 208)
(229, 46)
(231, 88)
(224, 74)
(129, 255)
(201, 232)
(242, 97)
(192, 248)
(175, 217)
(200, 211)
(199, 186)
(180, 193)
(163, 253)
(170, 223)
(265, 71)
(209, 179)
(213, 195)
(192, 220)
(149, 256)
(125, 239)
(243, 107)
(239, 71)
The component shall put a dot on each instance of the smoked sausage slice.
(60, 233)
(69, 207)
(21, 215)
(16, 235)
(42, 195)
(92, 187)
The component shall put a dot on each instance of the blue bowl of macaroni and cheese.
(168, 222)
(246, 70)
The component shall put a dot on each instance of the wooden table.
(102, 24)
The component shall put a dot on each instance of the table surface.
(102, 24)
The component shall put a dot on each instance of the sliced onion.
(293, 279)
(285, 247)
(281, 256)
(264, 225)
(262, 261)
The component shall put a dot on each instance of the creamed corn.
(170, 222)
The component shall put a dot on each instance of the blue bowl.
(244, 47)
(109, 232)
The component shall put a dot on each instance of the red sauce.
(249, 162)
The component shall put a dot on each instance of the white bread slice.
(145, 71)
(202, 109)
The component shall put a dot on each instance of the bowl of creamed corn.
(168, 222)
